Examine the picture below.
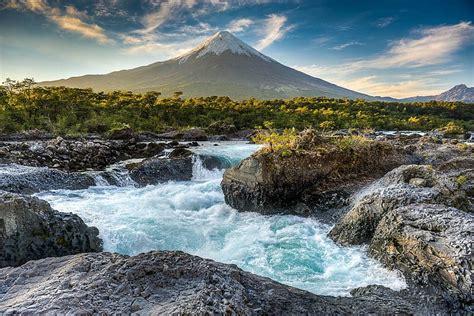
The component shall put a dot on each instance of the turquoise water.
(191, 216)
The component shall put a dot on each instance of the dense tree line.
(61, 110)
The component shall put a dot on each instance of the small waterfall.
(201, 173)
(121, 177)
(100, 181)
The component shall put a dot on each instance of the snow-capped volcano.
(222, 65)
(218, 44)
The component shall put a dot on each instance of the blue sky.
(391, 48)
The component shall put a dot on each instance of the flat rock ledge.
(176, 283)
(30, 229)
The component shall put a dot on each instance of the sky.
(387, 48)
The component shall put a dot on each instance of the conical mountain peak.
(221, 42)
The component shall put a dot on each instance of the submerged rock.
(28, 180)
(431, 243)
(178, 283)
(30, 229)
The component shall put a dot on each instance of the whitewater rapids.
(192, 216)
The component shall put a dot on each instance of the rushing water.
(191, 216)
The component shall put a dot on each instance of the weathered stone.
(394, 190)
(30, 229)
(431, 243)
(165, 283)
(157, 170)
(268, 183)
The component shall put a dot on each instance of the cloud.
(431, 46)
(74, 24)
(274, 30)
(166, 10)
(384, 22)
(348, 44)
(70, 20)
(400, 89)
(239, 25)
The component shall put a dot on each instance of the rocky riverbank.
(418, 218)
(410, 199)
(178, 283)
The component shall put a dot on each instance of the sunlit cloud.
(239, 25)
(274, 30)
(70, 20)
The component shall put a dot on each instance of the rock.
(405, 185)
(192, 134)
(431, 243)
(122, 133)
(221, 128)
(29, 135)
(28, 180)
(270, 184)
(168, 283)
(180, 153)
(156, 170)
(30, 229)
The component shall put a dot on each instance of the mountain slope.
(222, 65)
(461, 93)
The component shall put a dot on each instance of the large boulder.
(30, 229)
(28, 180)
(178, 166)
(176, 283)
(405, 185)
(192, 134)
(274, 183)
(432, 244)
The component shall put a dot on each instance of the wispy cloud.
(384, 22)
(70, 19)
(348, 44)
(274, 30)
(239, 25)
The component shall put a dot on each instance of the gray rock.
(30, 229)
(431, 243)
(157, 170)
(165, 283)
(28, 180)
(397, 188)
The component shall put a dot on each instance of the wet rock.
(30, 229)
(408, 184)
(28, 180)
(156, 170)
(180, 153)
(178, 283)
(431, 243)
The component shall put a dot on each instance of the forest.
(70, 111)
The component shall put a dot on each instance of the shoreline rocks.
(30, 229)
(166, 282)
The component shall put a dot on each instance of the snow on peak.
(221, 42)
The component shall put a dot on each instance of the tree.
(177, 94)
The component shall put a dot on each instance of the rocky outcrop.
(28, 180)
(408, 184)
(30, 229)
(76, 155)
(431, 243)
(178, 166)
(165, 283)
(270, 183)
(192, 134)
(419, 220)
